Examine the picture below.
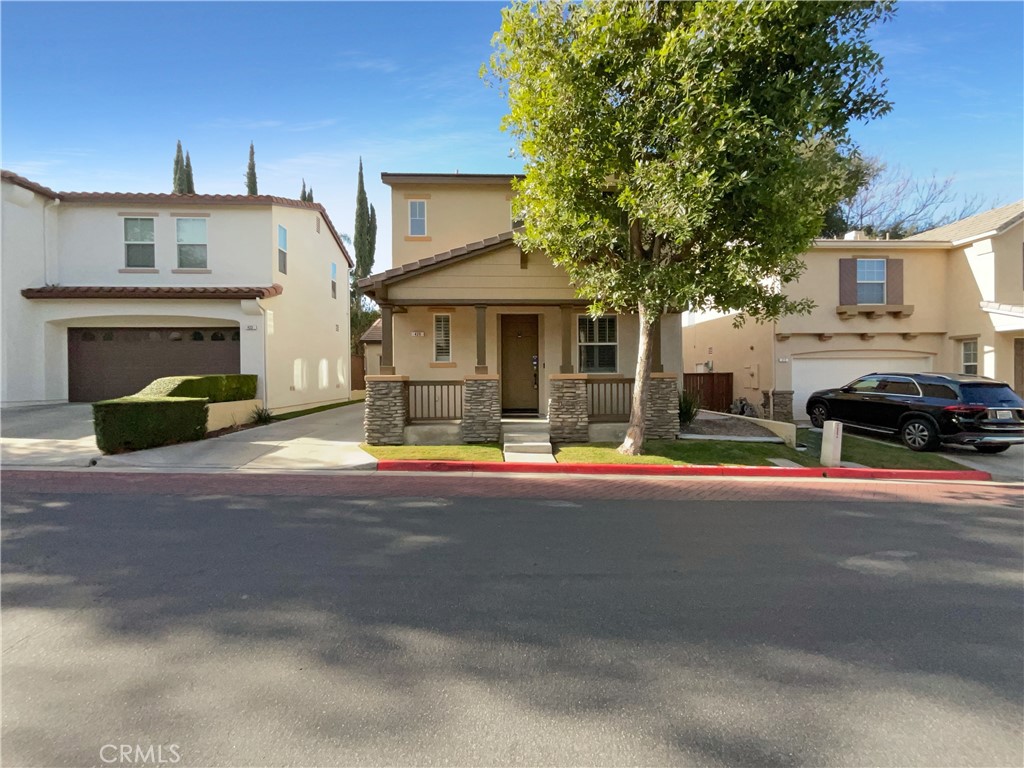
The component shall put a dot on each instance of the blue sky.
(95, 95)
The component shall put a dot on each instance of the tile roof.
(375, 333)
(164, 198)
(449, 178)
(152, 292)
(470, 249)
(1003, 309)
(996, 220)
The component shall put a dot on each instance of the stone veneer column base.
(386, 410)
(783, 404)
(661, 417)
(568, 421)
(481, 410)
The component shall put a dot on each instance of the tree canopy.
(682, 155)
(178, 185)
(250, 173)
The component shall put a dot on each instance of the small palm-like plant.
(261, 415)
(688, 407)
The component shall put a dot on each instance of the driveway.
(62, 435)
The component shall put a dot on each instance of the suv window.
(899, 386)
(867, 384)
(938, 391)
(990, 394)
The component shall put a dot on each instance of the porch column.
(387, 342)
(566, 366)
(481, 339)
(656, 364)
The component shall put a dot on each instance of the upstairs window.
(191, 243)
(417, 218)
(334, 280)
(139, 246)
(598, 344)
(969, 356)
(282, 250)
(442, 338)
(871, 281)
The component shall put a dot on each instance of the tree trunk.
(634, 443)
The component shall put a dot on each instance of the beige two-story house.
(104, 292)
(462, 302)
(948, 299)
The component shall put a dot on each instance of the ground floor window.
(969, 356)
(442, 338)
(598, 344)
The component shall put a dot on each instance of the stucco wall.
(456, 215)
(308, 356)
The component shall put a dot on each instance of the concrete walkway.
(321, 442)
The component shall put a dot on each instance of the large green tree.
(250, 173)
(682, 155)
(178, 186)
(190, 184)
(362, 237)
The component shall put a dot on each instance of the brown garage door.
(112, 362)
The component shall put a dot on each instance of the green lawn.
(482, 452)
(707, 452)
(876, 453)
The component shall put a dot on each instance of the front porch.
(581, 407)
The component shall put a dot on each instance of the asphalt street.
(392, 628)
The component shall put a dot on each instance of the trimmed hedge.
(219, 388)
(133, 423)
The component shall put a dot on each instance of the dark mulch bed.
(727, 426)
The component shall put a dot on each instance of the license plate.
(1007, 415)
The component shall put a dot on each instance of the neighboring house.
(462, 304)
(104, 292)
(371, 341)
(949, 299)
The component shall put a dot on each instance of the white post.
(831, 444)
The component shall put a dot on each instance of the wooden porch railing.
(609, 399)
(434, 400)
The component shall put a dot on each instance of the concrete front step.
(530, 458)
(535, 446)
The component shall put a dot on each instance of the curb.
(690, 470)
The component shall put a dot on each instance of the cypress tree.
(190, 186)
(250, 174)
(373, 236)
(309, 195)
(302, 195)
(361, 240)
(178, 187)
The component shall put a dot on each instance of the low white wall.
(783, 429)
(224, 415)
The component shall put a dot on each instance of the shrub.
(261, 415)
(133, 423)
(688, 407)
(219, 388)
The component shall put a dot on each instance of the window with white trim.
(334, 280)
(598, 344)
(139, 245)
(871, 281)
(191, 236)
(969, 356)
(417, 218)
(442, 338)
(282, 250)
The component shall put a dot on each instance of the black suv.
(926, 409)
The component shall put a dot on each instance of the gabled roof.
(169, 199)
(987, 224)
(432, 262)
(152, 292)
(375, 333)
(449, 178)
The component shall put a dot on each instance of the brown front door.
(519, 372)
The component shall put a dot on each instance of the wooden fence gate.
(713, 391)
(358, 372)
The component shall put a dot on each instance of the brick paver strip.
(559, 487)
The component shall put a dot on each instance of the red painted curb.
(662, 470)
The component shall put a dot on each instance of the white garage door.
(816, 373)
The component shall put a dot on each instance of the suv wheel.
(992, 448)
(819, 415)
(919, 435)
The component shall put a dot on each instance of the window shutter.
(894, 281)
(847, 281)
